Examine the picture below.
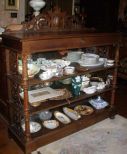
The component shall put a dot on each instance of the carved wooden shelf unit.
(48, 33)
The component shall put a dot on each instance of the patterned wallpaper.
(5, 15)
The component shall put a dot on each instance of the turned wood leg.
(112, 113)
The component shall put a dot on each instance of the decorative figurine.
(76, 85)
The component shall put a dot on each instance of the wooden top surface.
(29, 36)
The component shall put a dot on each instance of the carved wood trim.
(53, 20)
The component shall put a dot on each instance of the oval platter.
(62, 117)
(84, 109)
(71, 113)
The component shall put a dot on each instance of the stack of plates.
(90, 60)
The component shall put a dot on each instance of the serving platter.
(71, 113)
(84, 109)
(62, 117)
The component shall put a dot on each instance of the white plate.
(62, 117)
(51, 124)
(100, 63)
(34, 126)
(71, 113)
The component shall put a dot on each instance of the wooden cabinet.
(122, 73)
(22, 45)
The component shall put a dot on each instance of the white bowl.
(51, 124)
(34, 126)
(90, 90)
(45, 115)
(74, 56)
(32, 70)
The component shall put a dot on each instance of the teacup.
(69, 70)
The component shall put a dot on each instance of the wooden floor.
(8, 146)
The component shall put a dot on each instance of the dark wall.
(101, 14)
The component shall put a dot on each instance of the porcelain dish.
(62, 63)
(34, 126)
(89, 58)
(35, 104)
(74, 56)
(71, 113)
(98, 103)
(45, 115)
(51, 124)
(32, 70)
(62, 117)
(100, 63)
(84, 109)
(46, 75)
(69, 70)
(110, 61)
(90, 90)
